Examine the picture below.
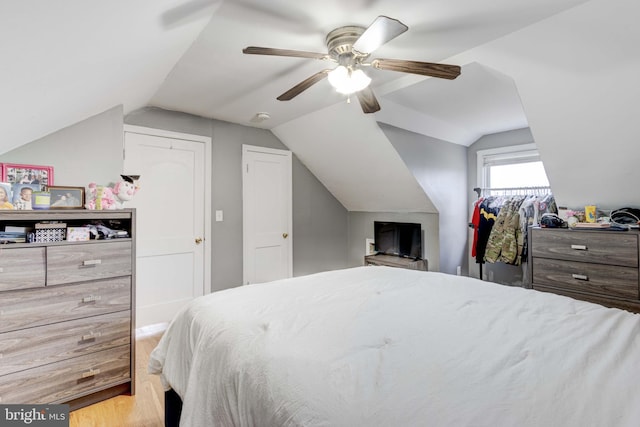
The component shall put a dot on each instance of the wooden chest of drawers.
(592, 265)
(67, 313)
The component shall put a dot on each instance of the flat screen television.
(398, 238)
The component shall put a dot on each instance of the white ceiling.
(214, 79)
(68, 60)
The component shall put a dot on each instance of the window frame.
(513, 154)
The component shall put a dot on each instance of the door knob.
(198, 240)
(285, 235)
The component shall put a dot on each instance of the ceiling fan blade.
(431, 69)
(303, 85)
(254, 50)
(368, 100)
(382, 30)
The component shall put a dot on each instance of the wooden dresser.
(396, 261)
(67, 312)
(592, 265)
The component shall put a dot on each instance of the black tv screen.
(398, 238)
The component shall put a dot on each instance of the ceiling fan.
(350, 47)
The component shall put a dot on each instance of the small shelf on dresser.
(396, 261)
(68, 311)
(598, 266)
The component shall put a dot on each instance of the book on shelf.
(12, 237)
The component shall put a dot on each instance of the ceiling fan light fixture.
(350, 46)
(347, 81)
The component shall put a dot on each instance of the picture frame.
(15, 173)
(22, 198)
(5, 199)
(66, 197)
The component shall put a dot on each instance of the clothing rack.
(513, 191)
(510, 191)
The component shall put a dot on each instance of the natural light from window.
(530, 174)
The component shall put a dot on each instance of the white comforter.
(378, 346)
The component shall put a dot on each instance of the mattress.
(382, 346)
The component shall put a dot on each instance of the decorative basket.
(50, 232)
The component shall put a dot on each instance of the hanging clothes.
(530, 212)
(501, 223)
(475, 222)
(489, 210)
(503, 233)
(511, 233)
(525, 220)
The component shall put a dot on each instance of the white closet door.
(267, 237)
(170, 222)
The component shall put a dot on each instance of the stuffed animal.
(101, 197)
(124, 190)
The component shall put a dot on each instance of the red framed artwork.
(14, 173)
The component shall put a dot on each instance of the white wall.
(441, 169)
(319, 220)
(361, 228)
(577, 73)
(88, 151)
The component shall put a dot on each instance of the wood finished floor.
(145, 409)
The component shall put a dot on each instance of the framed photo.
(27, 174)
(5, 196)
(22, 195)
(66, 197)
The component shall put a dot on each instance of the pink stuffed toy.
(124, 190)
(106, 198)
(100, 197)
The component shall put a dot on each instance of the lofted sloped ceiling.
(214, 79)
(358, 156)
(67, 60)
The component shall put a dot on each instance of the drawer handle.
(90, 262)
(90, 373)
(92, 298)
(91, 336)
(579, 247)
(580, 277)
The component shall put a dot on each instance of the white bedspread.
(378, 346)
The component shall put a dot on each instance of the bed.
(383, 346)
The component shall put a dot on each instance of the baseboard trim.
(151, 330)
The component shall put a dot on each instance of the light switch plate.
(219, 216)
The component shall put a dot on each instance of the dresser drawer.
(36, 307)
(615, 248)
(29, 348)
(22, 268)
(605, 280)
(622, 304)
(66, 380)
(81, 262)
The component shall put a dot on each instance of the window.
(511, 167)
